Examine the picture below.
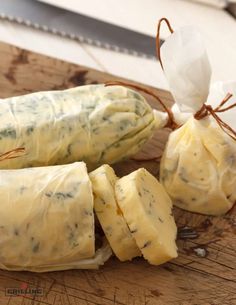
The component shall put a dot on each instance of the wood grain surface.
(203, 274)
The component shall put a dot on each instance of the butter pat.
(148, 211)
(110, 216)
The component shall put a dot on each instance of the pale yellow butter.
(110, 216)
(92, 123)
(46, 217)
(148, 211)
(198, 168)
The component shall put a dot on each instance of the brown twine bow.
(205, 109)
(208, 110)
(12, 154)
(171, 122)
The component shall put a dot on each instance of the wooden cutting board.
(204, 273)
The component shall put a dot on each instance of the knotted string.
(171, 122)
(208, 110)
(205, 109)
(12, 154)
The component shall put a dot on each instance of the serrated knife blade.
(76, 26)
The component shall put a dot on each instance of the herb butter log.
(93, 123)
(47, 220)
(109, 214)
(148, 211)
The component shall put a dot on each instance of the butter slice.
(148, 211)
(109, 215)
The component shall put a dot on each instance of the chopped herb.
(106, 119)
(29, 130)
(116, 145)
(69, 150)
(102, 200)
(88, 213)
(148, 243)
(231, 160)
(8, 133)
(183, 178)
(71, 236)
(36, 247)
(179, 202)
(61, 196)
(96, 130)
(22, 189)
(75, 244)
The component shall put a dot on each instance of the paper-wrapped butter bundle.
(93, 123)
(198, 167)
(47, 219)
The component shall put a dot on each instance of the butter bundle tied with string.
(198, 167)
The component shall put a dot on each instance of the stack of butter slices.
(135, 213)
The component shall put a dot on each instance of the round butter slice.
(109, 215)
(148, 211)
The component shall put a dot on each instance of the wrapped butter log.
(109, 214)
(147, 208)
(47, 219)
(198, 167)
(93, 123)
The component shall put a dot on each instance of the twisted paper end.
(205, 109)
(12, 154)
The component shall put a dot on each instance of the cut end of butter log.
(148, 211)
(47, 219)
(110, 216)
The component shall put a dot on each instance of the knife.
(79, 27)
